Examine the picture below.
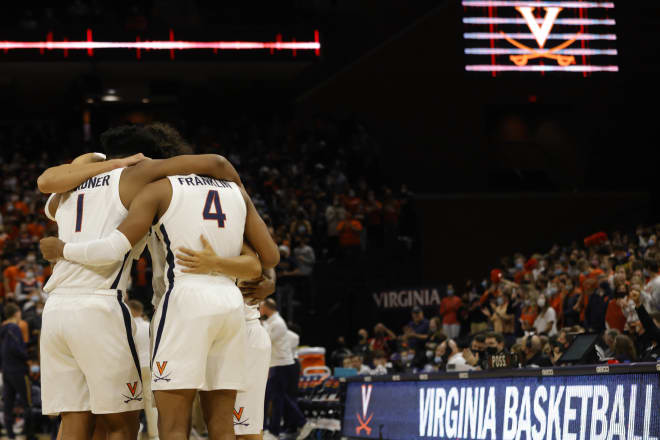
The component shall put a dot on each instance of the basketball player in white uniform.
(88, 356)
(248, 409)
(200, 339)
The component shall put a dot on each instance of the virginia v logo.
(364, 420)
(543, 32)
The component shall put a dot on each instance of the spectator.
(419, 329)
(532, 350)
(349, 234)
(449, 307)
(609, 337)
(380, 363)
(624, 349)
(15, 372)
(454, 356)
(381, 339)
(358, 364)
(340, 353)
(362, 347)
(546, 320)
(304, 257)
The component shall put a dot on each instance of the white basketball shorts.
(200, 338)
(89, 359)
(249, 406)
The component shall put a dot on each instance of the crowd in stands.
(528, 312)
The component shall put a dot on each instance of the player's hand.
(204, 261)
(258, 289)
(52, 248)
(130, 160)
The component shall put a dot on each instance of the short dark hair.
(10, 310)
(169, 142)
(652, 265)
(157, 141)
(480, 337)
(498, 336)
(126, 140)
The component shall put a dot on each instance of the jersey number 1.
(213, 202)
(79, 212)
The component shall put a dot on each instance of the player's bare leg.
(174, 412)
(100, 432)
(251, 436)
(121, 426)
(77, 425)
(218, 408)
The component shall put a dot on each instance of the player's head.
(169, 142)
(157, 141)
(137, 309)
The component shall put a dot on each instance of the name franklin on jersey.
(201, 180)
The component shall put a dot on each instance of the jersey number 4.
(213, 202)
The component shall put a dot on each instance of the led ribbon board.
(539, 36)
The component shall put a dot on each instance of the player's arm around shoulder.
(63, 178)
(135, 178)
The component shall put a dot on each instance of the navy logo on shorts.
(133, 390)
(161, 370)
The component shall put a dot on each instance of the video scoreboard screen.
(539, 36)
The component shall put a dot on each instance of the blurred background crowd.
(528, 312)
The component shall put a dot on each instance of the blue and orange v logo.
(238, 414)
(132, 388)
(161, 367)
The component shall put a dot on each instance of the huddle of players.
(205, 336)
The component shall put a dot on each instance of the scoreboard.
(577, 37)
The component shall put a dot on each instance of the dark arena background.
(465, 195)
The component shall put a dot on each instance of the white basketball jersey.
(90, 212)
(201, 206)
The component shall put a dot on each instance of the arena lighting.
(160, 45)
(539, 36)
(110, 98)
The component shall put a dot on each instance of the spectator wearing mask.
(340, 353)
(15, 372)
(419, 329)
(436, 362)
(449, 307)
(362, 347)
(532, 349)
(546, 320)
(571, 306)
(495, 343)
(28, 288)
